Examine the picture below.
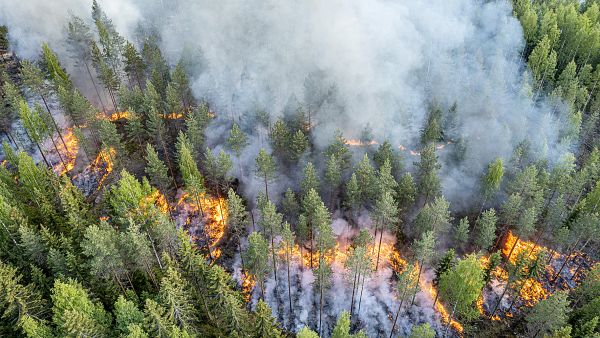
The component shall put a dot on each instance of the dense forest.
(133, 205)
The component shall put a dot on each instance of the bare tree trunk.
(418, 278)
(289, 282)
(54, 122)
(379, 250)
(397, 313)
(353, 291)
(87, 67)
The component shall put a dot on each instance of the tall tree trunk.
(512, 249)
(500, 300)
(397, 313)
(379, 250)
(418, 278)
(43, 156)
(87, 67)
(353, 291)
(168, 159)
(273, 254)
(320, 307)
(361, 290)
(54, 122)
(266, 188)
(58, 152)
(155, 252)
(289, 282)
(311, 248)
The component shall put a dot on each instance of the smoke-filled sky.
(383, 62)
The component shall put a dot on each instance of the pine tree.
(270, 222)
(237, 141)
(352, 201)
(365, 174)
(156, 169)
(386, 152)
(257, 259)
(386, 213)
(174, 295)
(490, 182)
(35, 127)
(192, 178)
(461, 287)
(407, 192)
(265, 169)
(339, 148)
(264, 324)
(280, 137)
(342, 327)
(134, 64)
(101, 246)
(298, 145)
(358, 262)
(333, 177)
(288, 243)
(325, 241)
(447, 262)
(434, 217)
(548, 314)
(19, 301)
(289, 206)
(75, 314)
(314, 213)
(461, 233)
(33, 78)
(79, 40)
(485, 228)
(428, 180)
(423, 249)
(310, 179)
(127, 314)
(237, 218)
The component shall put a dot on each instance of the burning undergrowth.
(205, 220)
(375, 301)
(556, 272)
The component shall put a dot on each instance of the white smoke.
(379, 62)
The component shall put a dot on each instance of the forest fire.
(104, 160)
(532, 292)
(359, 143)
(214, 210)
(122, 115)
(517, 246)
(173, 116)
(248, 283)
(156, 199)
(69, 153)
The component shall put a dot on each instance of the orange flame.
(68, 153)
(215, 213)
(522, 246)
(359, 143)
(444, 314)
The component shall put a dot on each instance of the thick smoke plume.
(381, 63)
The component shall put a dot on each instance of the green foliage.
(548, 315)
(461, 287)
(422, 331)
